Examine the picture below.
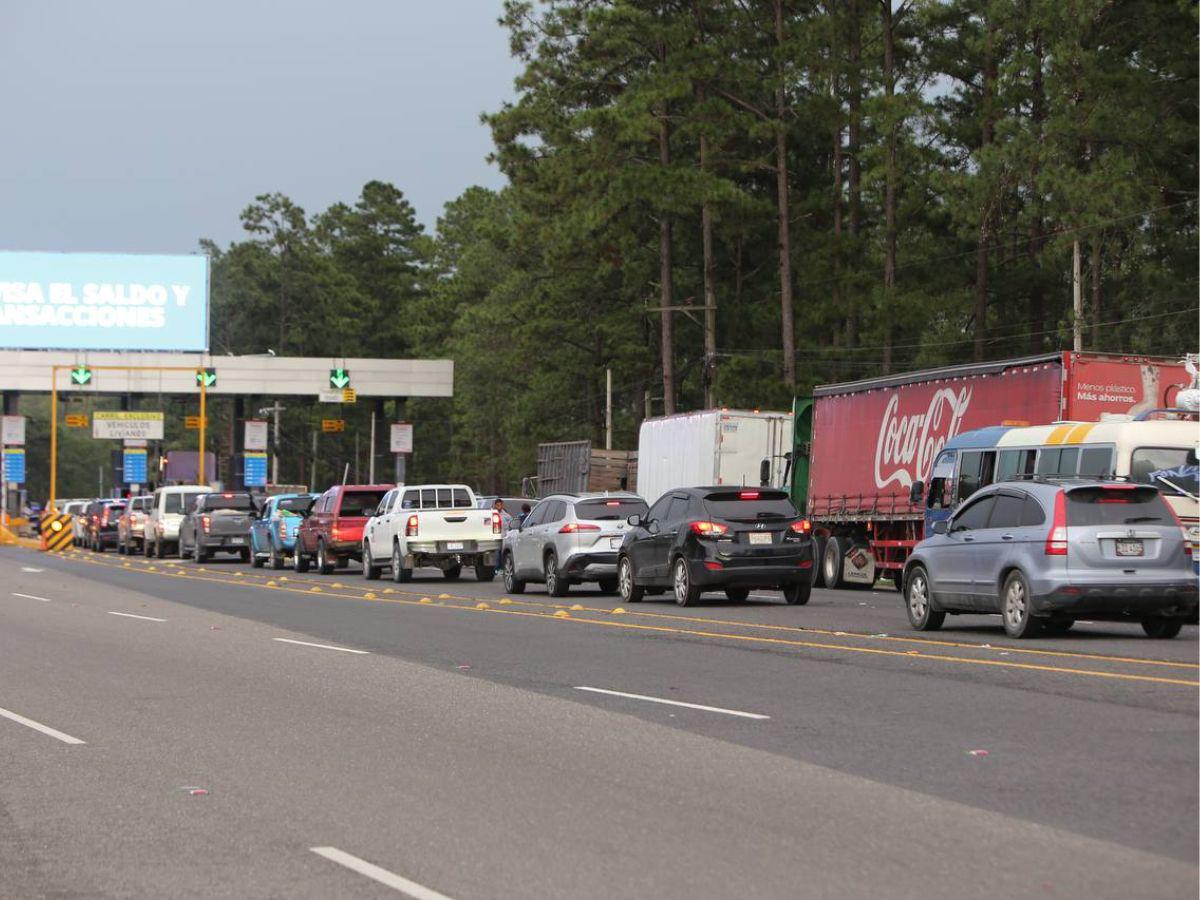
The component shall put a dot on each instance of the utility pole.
(312, 476)
(371, 464)
(607, 409)
(1077, 292)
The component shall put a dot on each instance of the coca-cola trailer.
(861, 445)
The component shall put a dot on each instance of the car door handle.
(968, 538)
(1006, 537)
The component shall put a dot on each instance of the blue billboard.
(103, 301)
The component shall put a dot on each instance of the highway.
(170, 729)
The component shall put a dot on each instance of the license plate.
(1130, 548)
(614, 543)
(760, 537)
(454, 545)
(237, 540)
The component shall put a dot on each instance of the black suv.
(717, 538)
(100, 523)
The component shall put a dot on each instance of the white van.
(166, 512)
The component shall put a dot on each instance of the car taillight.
(335, 532)
(206, 523)
(411, 527)
(1188, 549)
(748, 495)
(104, 518)
(496, 522)
(573, 527)
(1056, 540)
(708, 529)
(282, 526)
(804, 526)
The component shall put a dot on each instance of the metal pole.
(53, 438)
(312, 476)
(371, 464)
(608, 409)
(1077, 289)
(275, 447)
(203, 397)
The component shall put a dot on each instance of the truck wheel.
(257, 561)
(371, 572)
(453, 573)
(917, 603)
(607, 585)
(160, 552)
(630, 591)
(299, 560)
(324, 563)
(831, 562)
(797, 594)
(244, 553)
(200, 555)
(1162, 626)
(275, 561)
(818, 567)
(484, 572)
(400, 575)
(556, 585)
(512, 584)
(686, 593)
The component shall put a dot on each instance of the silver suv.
(1044, 552)
(569, 539)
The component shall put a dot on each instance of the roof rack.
(1049, 478)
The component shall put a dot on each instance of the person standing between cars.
(506, 524)
(526, 509)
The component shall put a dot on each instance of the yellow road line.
(813, 645)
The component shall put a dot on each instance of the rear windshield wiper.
(1133, 519)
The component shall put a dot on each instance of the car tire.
(200, 555)
(918, 602)
(244, 553)
(512, 584)
(275, 559)
(556, 585)
(324, 566)
(371, 572)
(400, 575)
(99, 546)
(686, 593)
(1162, 627)
(831, 562)
(1057, 625)
(1016, 608)
(299, 560)
(737, 595)
(629, 589)
(818, 570)
(453, 573)
(160, 552)
(485, 573)
(797, 594)
(120, 548)
(607, 585)
(258, 561)
(147, 550)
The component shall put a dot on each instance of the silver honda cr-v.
(1044, 552)
(569, 539)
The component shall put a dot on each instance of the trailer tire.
(831, 562)
(818, 568)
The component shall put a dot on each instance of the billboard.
(118, 425)
(103, 301)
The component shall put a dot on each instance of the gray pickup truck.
(217, 523)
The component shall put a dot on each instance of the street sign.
(254, 472)
(349, 395)
(339, 378)
(134, 465)
(114, 424)
(331, 396)
(331, 426)
(81, 375)
(12, 431)
(402, 437)
(14, 465)
(77, 420)
(206, 377)
(256, 435)
(192, 422)
(136, 442)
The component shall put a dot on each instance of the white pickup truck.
(431, 525)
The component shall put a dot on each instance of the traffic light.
(81, 375)
(206, 377)
(339, 378)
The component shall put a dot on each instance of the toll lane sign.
(134, 465)
(109, 424)
(14, 465)
(333, 426)
(255, 471)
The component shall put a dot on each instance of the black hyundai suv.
(717, 538)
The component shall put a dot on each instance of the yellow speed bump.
(562, 614)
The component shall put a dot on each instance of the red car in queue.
(331, 533)
(722, 538)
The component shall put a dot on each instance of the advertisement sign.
(134, 466)
(256, 434)
(14, 465)
(118, 425)
(103, 301)
(1098, 385)
(402, 437)
(254, 473)
(12, 430)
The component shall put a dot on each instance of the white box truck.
(716, 446)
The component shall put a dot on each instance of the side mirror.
(635, 520)
(941, 527)
(916, 492)
(764, 473)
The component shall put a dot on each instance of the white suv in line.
(166, 512)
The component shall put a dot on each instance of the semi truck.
(860, 446)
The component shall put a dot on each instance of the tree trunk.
(1037, 238)
(854, 167)
(710, 290)
(782, 189)
(985, 214)
(889, 191)
(666, 285)
(1095, 304)
(837, 166)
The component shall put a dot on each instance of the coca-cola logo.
(908, 445)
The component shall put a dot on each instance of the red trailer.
(870, 440)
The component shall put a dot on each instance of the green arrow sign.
(206, 377)
(81, 375)
(339, 378)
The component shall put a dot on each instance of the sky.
(144, 125)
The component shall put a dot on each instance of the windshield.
(603, 510)
(1173, 470)
(360, 503)
(228, 501)
(750, 504)
(1115, 506)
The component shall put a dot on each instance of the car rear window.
(603, 510)
(749, 503)
(360, 503)
(295, 505)
(436, 498)
(232, 501)
(1116, 506)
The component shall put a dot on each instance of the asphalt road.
(169, 729)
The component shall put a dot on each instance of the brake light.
(1056, 540)
(709, 529)
(612, 502)
(282, 529)
(496, 522)
(713, 566)
(572, 527)
(411, 527)
(206, 523)
(804, 526)
(748, 495)
(1188, 550)
(104, 518)
(334, 532)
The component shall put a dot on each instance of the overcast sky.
(144, 125)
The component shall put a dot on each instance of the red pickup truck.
(331, 533)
